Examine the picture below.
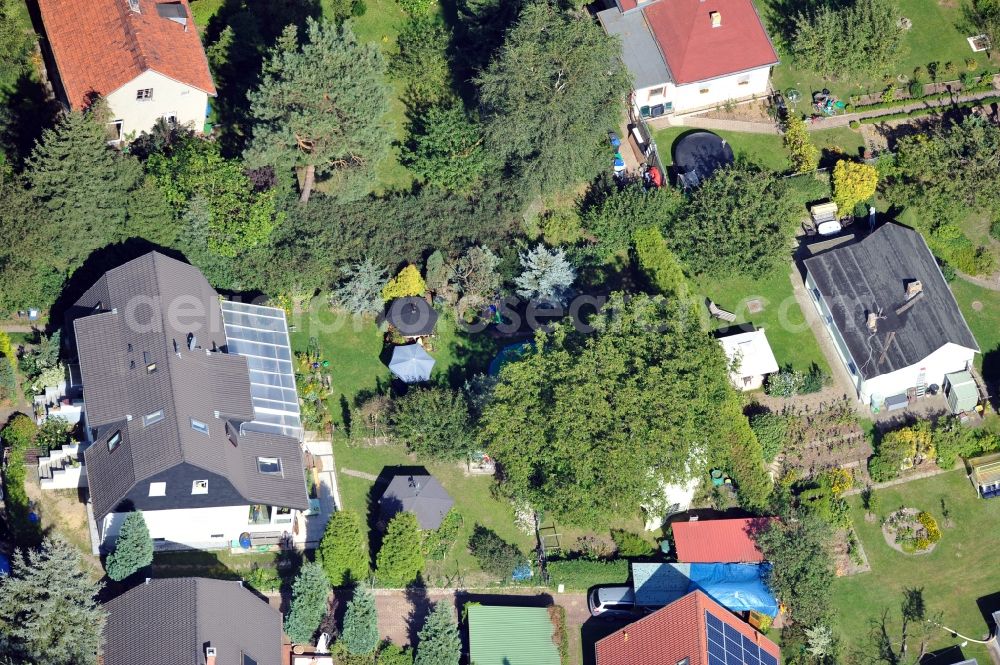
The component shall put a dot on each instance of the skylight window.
(134, 5)
(269, 465)
(114, 440)
(151, 418)
(199, 487)
(157, 489)
(199, 426)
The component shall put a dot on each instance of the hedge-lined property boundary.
(928, 110)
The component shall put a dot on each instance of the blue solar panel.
(715, 660)
(713, 621)
(767, 659)
(717, 649)
(733, 634)
(750, 658)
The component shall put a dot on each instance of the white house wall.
(198, 528)
(717, 91)
(949, 358)
(170, 98)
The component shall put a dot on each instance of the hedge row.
(926, 111)
(581, 574)
(896, 103)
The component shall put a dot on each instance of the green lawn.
(791, 338)
(984, 322)
(381, 25)
(357, 361)
(934, 37)
(472, 494)
(765, 149)
(961, 569)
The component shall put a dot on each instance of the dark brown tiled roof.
(171, 621)
(100, 45)
(145, 312)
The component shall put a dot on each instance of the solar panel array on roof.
(727, 646)
(260, 334)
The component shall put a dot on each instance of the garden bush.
(631, 544)
(494, 554)
(579, 574)
(930, 524)
(953, 440)
(995, 229)
(400, 560)
(785, 383)
(771, 430)
(916, 88)
(438, 543)
(263, 579)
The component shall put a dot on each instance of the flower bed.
(911, 531)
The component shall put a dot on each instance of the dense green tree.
(133, 549)
(475, 275)
(740, 219)
(802, 152)
(481, 28)
(614, 214)
(310, 600)
(801, 573)
(550, 95)
(81, 188)
(238, 217)
(646, 395)
(433, 423)
(360, 289)
(445, 147)
(423, 61)
(400, 560)
(438, 642)
(871, 26)
(16, 41)
(344, 549)
(495, 555)
(360, 633)
(659, 264)
(318, 108)
(49, 612)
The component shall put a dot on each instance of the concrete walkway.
(329, 494)
(833, 122)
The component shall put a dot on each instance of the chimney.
(716, 19)
(873, 322)
(913, 288)
(210, 655)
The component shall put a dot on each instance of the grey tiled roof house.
(173, 415)
(191, 621)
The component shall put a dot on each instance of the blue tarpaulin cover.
(736, 586)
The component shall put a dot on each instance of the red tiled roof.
(695, 51)
(100, 45)
(717, 541)
(673, 633)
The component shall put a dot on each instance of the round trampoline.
(698, 155)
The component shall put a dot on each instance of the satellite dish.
(793, 95)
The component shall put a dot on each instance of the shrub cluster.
(630, 544)
(494, 554)
(930, 525)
